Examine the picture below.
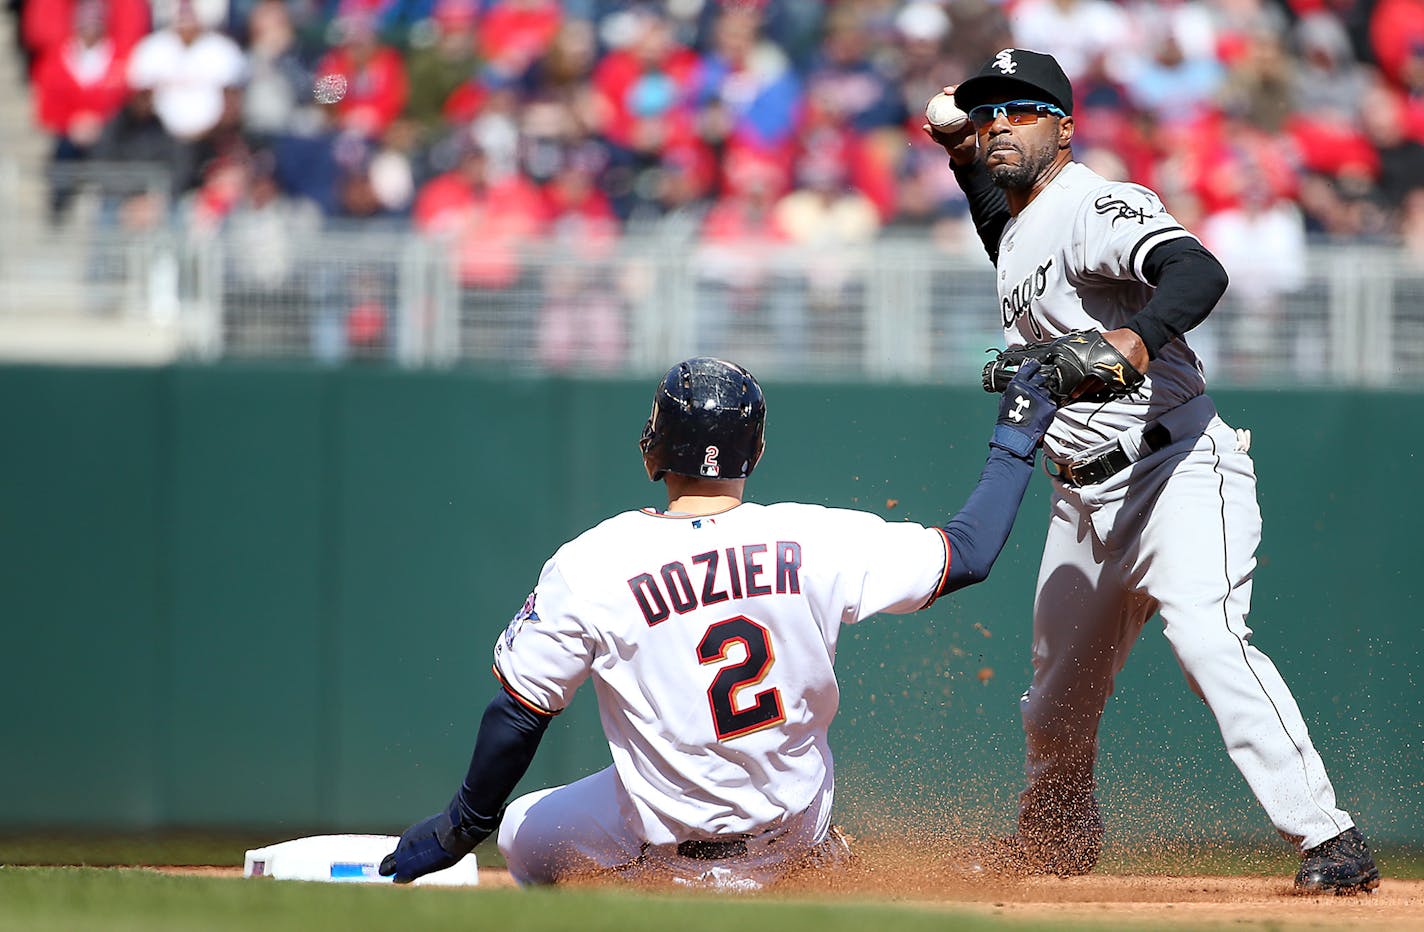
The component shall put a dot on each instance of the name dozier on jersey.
(734, 577)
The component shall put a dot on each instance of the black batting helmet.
(707, 421)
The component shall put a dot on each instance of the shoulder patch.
(525, 614)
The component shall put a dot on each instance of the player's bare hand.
(960, 143)
(1128, 343)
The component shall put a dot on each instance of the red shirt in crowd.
(487, 223)
(579, 214)
(67, 88)
(46, 24)
(1397, 37)
(375, 92)
(515, 33)
(632, 90)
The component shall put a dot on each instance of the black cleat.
(1342, 865)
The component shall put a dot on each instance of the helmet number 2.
(710, 469)
(766, 710)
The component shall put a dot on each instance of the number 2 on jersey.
(730, 721)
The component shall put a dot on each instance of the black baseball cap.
(1017, 73)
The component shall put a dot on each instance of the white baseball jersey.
(1072, 260)
(711, 643)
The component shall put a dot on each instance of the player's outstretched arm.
(509, 735)
(978, 531)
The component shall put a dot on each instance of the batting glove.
(429, 845)
(1025, 411)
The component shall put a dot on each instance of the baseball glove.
(1081, 366)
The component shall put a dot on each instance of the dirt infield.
(1099, 898)
(1154, 900)
(1139, 899)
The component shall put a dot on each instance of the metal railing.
(895, 310)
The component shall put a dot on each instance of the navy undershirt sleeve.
(978, 532)
(1188, 282)
(987, 205)
(509, 735)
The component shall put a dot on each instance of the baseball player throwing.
(1154, 506)
(709, 631)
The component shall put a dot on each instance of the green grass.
(51, 899)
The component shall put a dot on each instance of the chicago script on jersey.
(1020, 300)
(717, 576)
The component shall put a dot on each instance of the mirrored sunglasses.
(1017, 112)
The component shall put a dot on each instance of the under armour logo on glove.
(1020, 403)
(1025, 411)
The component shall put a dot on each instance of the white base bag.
(345, 859)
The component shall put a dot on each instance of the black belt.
(714, 850)
(1112, 462)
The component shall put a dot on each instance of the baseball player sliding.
(1154, 506)
(709, 631)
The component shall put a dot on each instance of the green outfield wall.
(265, 598)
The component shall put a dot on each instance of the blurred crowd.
(781, 118)
(495, 123)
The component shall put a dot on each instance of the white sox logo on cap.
(1017, 73)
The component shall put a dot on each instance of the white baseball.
(943, 113)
